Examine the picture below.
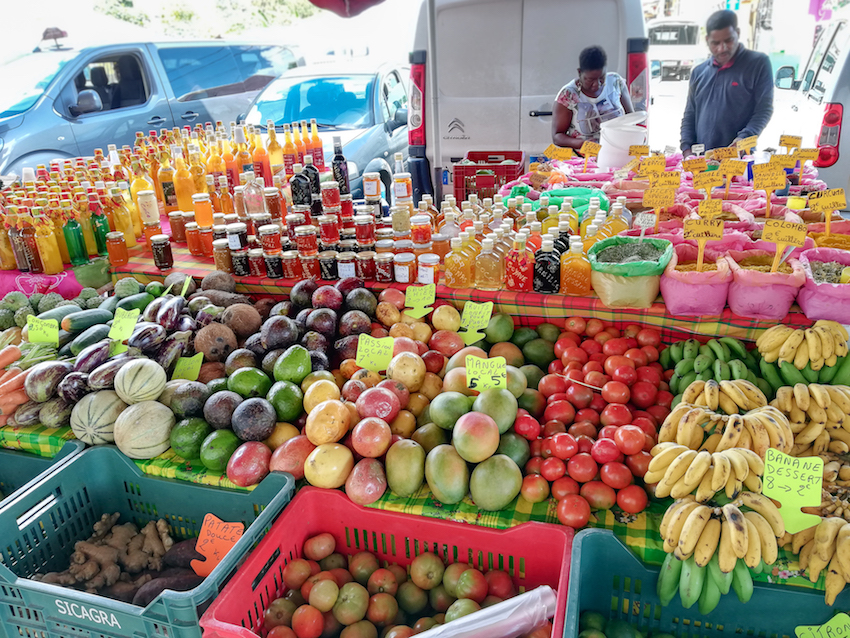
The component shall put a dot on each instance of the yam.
(182, 554)
(222, 298)
(219, 280)
(176, 580)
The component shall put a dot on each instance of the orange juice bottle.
(275, 150)
(224, 196)
(316, 147)
(216, 166)
(184, 184)
(231, 171)
(299, 144)
(290, 152)
(198, 170)
(590, 238)
(575, 271)
(615, 222)
(244, 159)
(166, 180)
(262, 167)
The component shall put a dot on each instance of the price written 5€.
(483, 374)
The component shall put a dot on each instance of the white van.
(485, 73)
(675, 48)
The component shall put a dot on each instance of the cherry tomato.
(625, 374)
(629, 439)
(631, 330)
(579, 396)
(583, 427)
(596, 379)
(615, 346)
(588, 414)
(659, 412)
(585, 443)
(598, 357)
(593, 327)
(593, 366)
(533, 465)
(573, 510)
(664, 398)
(582, 467)
(604, 451)
(650, 375)
(643, 394)
(603, 337)
(564, 446)
(562, 411)
(651, 353)
(563, 487)
(616, 361)
(535, 447)
(639, 463)
(591, 346)
(649, 337)
(552, 384)
(598, 403)
(599, 495)
(553, 468)
(577, 325)
(614, 332)
(632, 499)
(647, 425)
(616, 392)
(574, 375)
(637, 356)
(553, 427)
(574, 353)
(617, 475)
(615, 414)
(607, 432)
(555, 367)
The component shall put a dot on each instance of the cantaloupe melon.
(140, 380)
(143, 430)
(93, 418)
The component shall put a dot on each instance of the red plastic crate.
(464, 174)
(533, 554)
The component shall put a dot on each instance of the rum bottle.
(547, 266)
(458, 266)
(519, 267)
(489, 273)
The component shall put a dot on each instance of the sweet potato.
(221, 298)
(182, 554)
(176, 580)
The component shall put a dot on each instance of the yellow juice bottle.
(198, 171)
(275, 149)
(48, 247)
(166, 180)
(122, 217)
(84, 217)
(575, 271)
(184, 184)
(551, 220)
(458, 266)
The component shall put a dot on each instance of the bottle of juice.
(615, 222)
(216, 166)
(225, 198)
(16, 239)
(313, 174)
(339, 165)
(54, 215)
(262, 163)
(244, 160)
(252, 194)
(590, 238)
(466, 218)
(184, 184)
(458, 270)
(121, 216)
(497, 219)
(231, 170)
(299, 145)
(587, 219)
(627, 214)
(551, 220)
(519, 267)
(528, 216)
(198, 171)
(275, 149)
(48, 248)
(33, 257)
(535, 239)
(316, 148)
(166, 179)
(305, 138)
(290, 152)
(84, 217)
(99, 224)
(488, 268)
(575, 271)
(512, 213)
(562, 244)
(212, 192)
(302, 193)
(476, 236)
(73, 233)
(547, 266)
(498, 237)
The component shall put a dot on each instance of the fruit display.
(824, 549)
(817, 347)
(592, 624)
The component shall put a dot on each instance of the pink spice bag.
(762, 295)
(824, 301)
(695, 294)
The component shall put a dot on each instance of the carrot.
(3, 420)
(10, 402)
(11, 372)
(9, 355)
(15, 383)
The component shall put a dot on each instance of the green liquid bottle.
(99, 224)
(73, 234)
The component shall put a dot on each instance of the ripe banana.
(691, 393)
(692, 530)
(790, 345)
(814, 343)
(753, 556)
(674, 527)
(725, 554)
(737, 529)
(766, 508)
(731, 433)
(711, 392)
(764, 537)
(825, 537)
(707, 543)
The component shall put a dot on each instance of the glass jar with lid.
(193, 239)
(270, 238)
(365, 265)
(428, 269)
(420, 229)
(256, 263)
(329, 228)
(175, 220)
(310, 267)
(330, 194)
(221, 255)
(384, 267)
(384, 246)
(162, 256)
(403, 246)
(290, 264)
(345, 264)
(364, 226)
(274, 265)
(404, 268)
(306, 240)
(237, 236)
(327, 265)
(239, 260)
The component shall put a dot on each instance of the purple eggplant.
(152, 308)
(173, 349)
(91, 357)
(56, 413)
(208, 314)
(168, 314)
(43, 379)
(148, 338)
(197, 303)
(27, 414)
(186, 323)
(103, 377)
(74, 387)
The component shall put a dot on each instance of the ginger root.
(153, 546)
(103, 526)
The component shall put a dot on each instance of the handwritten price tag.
(42, 330)
(697, 149)
(695, 165)
(639, 149)
(632, 165)
(836, 627)
(589, 148)
(795, 483)
(804, 154)
(214, 541)
(783, 161)
(483, 374)
(790, 141)
(418, 300)
(767, 177)
(538, 179)
(726, 152)
(705, 229)
(709, 208)
(475, 317)
(708, 180)
(654, 163)
(732, 167)
(828, 200)
(747, 144)
(658, 197)
(782, 232)
(672, 179)
(374, 354)
(123, 324)
(188, 367)
(558, 152)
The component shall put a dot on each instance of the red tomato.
(638, 463)
(651, 353)
(586, 414)
(556, 367)
(307, 622)
(598, 495)
(616, 361)
(614, 332)
(596, 379)
(573, 510)
(565, 446)
(583, 427)
(615, 346)
(533, 465)
(631, 330)
(561, 346)
(592, 366)
(563, 487)
(615, 414)
(607, 432)
(535, 488)
(637, 356)
(643, 394)
(650, 375)
(560, 396)
(668, 374)
(552, 384)
(577, 325)
(535, 447)
(659, 412)
(617, 475)
(574, 353)
(649, 442)
(647, 425)
(645, 415)
(604, 451)
(553, 468)
(593, 327)
(562, 411)
(629, 439)
(574, 375)
(527, 427)
(579, 396)
(553, 427)
(663, 386)
(565, 334)
(649, 337)
(547, 449)
(616, 392)
(632, 499)
(625, 374)
(598, 357)
(603, 337)
(590, 346)
(664, 398)
(585, 443)
(582, 467)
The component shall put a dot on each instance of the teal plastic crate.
(607, 577)
(40, 524)
(18, 468)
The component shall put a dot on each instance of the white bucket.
(616, 136)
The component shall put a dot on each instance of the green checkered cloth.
(169, 465)
(35, 439)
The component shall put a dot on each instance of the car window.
(201, 72)
(118, 79)
(259, 65)
(26, 78)
(393, 95)
(829, 70)
(674, 34)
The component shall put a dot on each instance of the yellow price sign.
(669, 178)
(695, 165)
(781, 232)
(705, 229)
(659, 197)
(538, 179)
(632, 165)
(649, 175)
(589, 148)
(836, 627)
(783, 161)
(767, 177)
(123, 324)
(418, 299)
(795, 483)
(708, 180)
(374, 354)
(639, 149)
(747, 144)
(732, 167)
(188, 368)
(475, 317)
(558, 152)
(725, 152)
(484, 374)
(828, 200)
(804, 154)
(709, 208)
(790, 141)
(42, 330)
(654, 163)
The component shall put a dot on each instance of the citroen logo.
(456, 125)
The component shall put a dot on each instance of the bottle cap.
(456, 242)
(487, 244)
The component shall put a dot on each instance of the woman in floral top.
(592, 98)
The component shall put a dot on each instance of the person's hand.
(735, 141)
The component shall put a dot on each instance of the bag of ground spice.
(626, 272)
(822, 296)
(690, 293)
(757, 293)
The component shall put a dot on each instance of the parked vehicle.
(59, 102)
(360, 101)
(820, 95)
(484, 74)
(675, 48)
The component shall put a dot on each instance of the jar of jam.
(316, 208)
(151, 229)
(256, 264)
(270, 238)
(362, 248)
(421, 249)
(429, 269)
(323, 247)
(384, 267)
(346, 223)
(303, 210)
(310, 266)
(221, 255)
(385, 223)
(231, 218)
(327, 265)
(206, 242)
(365, 265)
(274, 203)
(219, 231)
(175, 220)
(347, 233)
(384, 233)
(403, 246)
(188, 216)
(401, 219)
(346, 203)
(290, 264)
(440, 246)
(218, 219)
(404, 268)
(330, 193)
(161, 248)
(348, 246)
(384, 246)
(193, 239)
(371, 185)
(261, 219)
(420, 229)
(402, 186)
(293, 221)
(116, 248)
(329, 227)
(401, 235)
(237, 236)
(306, 240)
(274, 265)
(239, 259)
(364, 226)
(345, 265)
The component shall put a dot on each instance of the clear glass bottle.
(450, 227)
(547, 267)
(489, 272)
(575, 271)
(252, 196)
(458, 266)
(551, 220)
(519, 267)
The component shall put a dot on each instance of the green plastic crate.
(41, 523)
(19, 468)
(607, 577)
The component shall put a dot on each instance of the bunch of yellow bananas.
(731, 397)
(826, 546)
(820, 345)
(819, 416)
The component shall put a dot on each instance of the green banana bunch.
(742, 581)
(703, 585)
(691, 581)
(668, 579)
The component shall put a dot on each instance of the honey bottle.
(575, 271)
(458, 266)
(489, 273)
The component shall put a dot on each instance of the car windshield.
(25, 79)
(343, 101)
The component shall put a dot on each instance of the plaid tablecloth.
(530, 307)
(169, 465)
(36, 439)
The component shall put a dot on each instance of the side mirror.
(240, 118)
(785, 77)
(88, 101)
(399, 120)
